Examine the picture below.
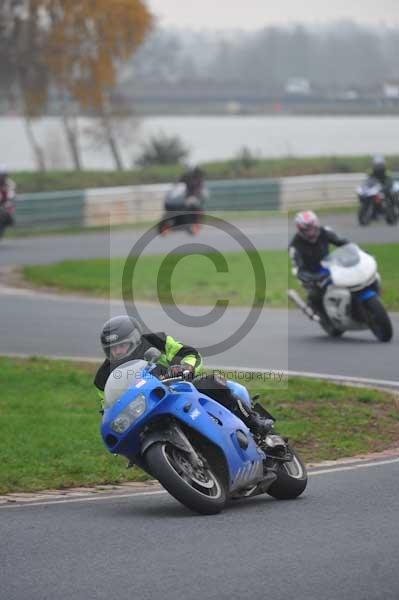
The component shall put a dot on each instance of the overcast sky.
(254, 14)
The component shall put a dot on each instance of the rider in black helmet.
(7, 185)
(379, 172)
(123, 340)
(194, 180)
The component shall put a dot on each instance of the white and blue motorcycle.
(351, 301)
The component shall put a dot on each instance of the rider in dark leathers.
(122, 340)
(379, 172)
(7, 186)
(307, 249)
(7, 195)
(194, 181)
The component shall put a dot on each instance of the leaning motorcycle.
(182, 212)
(351, 300)
(376, 201)
(200, 452)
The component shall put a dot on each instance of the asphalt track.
(340, 540)
(36, 323)
(272, 233)
(281, 340)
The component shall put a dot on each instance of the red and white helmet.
(308, 226)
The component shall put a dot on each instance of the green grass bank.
(50, 424)
(195, 280)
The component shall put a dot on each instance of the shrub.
(163, 150)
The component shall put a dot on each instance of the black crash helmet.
(379, 165)
(120, 336)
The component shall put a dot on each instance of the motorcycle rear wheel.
(392, 214)
(365, 213)
(292, 479)
(200, 490)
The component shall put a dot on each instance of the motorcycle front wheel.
(199, 489)
(329, 328)
(365, 213)
(378, 319)
(292, 479)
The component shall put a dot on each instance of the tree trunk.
(107, 124)
(72, 135)
(72, 139)
(37, 150)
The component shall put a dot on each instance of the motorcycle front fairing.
(351, 268)
(353, 274)
(182, 402)
(369, 189)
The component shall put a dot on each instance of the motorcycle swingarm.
(288, 456)
(256, 490)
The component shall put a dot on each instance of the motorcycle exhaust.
(295, 297)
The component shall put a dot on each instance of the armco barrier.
(145, 203)
(317, 191)
(244, 194)
(113, 206)
(50, 210)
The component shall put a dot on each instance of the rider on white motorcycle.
(307, 249)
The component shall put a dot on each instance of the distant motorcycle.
(199, 451)
(351, 300)
(182, 212)
(376, 201)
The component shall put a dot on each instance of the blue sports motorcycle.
(200, 452)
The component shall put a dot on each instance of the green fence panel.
(50, 210)
(244, 194)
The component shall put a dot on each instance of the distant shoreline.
(209, 138)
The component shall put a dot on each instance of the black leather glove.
(184, 370)
(309, 278)
(306, 276)
(322, 280)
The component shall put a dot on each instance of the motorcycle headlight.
(129, 414)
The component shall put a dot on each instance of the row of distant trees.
(339, 56)
(71, 49)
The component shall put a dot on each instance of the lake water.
(209, 138)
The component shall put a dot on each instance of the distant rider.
(307, 249)
(122, 340)
(194, 182)
(379, 172)
(7, 186)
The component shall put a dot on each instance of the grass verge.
(50, 424)
(28, 181)
(195, 279)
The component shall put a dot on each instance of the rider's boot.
(255, 422)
